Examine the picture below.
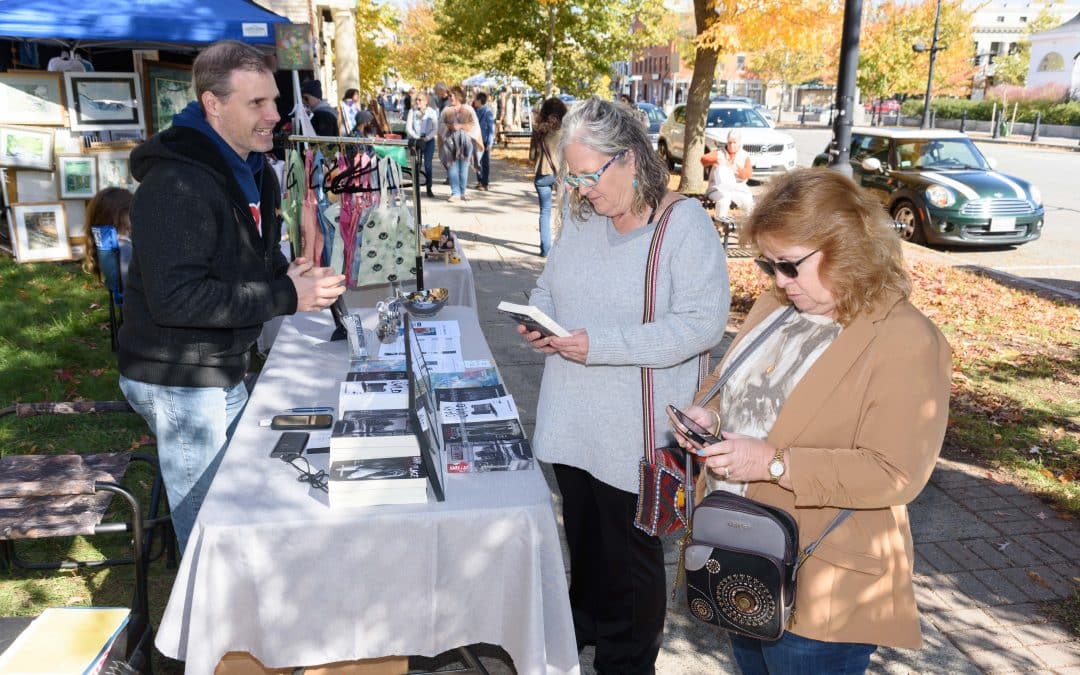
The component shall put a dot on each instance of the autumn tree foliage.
(570, 43)
(887, 63)
(422, 56)
(375, 24)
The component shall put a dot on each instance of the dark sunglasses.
(787, 268)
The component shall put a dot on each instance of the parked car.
(772, 152)
(766, 113)
(887, 106)
(941, 190)
(656, 117)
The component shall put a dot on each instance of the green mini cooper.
(941, 190)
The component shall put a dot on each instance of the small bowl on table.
(425, 302)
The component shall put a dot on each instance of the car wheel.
(665, 154)
(909, 221)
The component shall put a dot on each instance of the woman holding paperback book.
(843, 406)
(589, 419)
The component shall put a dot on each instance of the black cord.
(316, 479)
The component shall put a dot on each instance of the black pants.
(617, 581)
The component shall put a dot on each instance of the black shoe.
(430, 194)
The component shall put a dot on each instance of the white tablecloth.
(272, 570)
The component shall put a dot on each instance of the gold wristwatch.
(777, 467)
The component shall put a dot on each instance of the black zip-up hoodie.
(202, 280)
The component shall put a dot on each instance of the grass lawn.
(1015, 407)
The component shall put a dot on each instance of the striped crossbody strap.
(652, 273)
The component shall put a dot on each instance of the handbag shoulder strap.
(652, 273)
(809, 550)
(719, 384)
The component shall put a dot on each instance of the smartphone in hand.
(689, 428)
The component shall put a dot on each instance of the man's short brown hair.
(213, 68)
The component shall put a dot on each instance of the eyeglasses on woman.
(588, 180)
(789, 269)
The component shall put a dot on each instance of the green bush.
(953, 108)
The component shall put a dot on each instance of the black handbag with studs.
(741, 561)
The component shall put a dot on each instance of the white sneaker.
(453, 198)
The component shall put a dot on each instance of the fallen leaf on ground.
(1037, 578)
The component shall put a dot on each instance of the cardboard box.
(243, 663)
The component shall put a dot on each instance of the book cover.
(374, 395)
(533, 318)
(489, 456)
(377, 473)
(65, 640)
(473, 432)
(470, 377)
(464, 394)
(370, 428)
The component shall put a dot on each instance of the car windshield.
(735, 117)
(655, 114)
(939, 154)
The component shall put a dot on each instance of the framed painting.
(27, 148)
(294, 48)
(114, 169)
(104, 101)
(32, 97)
(40, 232)
(78, 176)
(167, 89)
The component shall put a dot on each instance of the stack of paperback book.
(374, 447)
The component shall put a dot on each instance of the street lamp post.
(933, 49)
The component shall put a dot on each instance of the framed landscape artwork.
(168, 89)
(26, 148)
(104, 101)
(78, 176)
(32, 97)
(114, 169)
(40, 232)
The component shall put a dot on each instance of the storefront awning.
(138, 22)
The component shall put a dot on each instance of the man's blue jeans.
(192, 426)
(796, 655)
(543, 192)
(459, 176)
(483, 174)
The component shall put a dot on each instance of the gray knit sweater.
(589, 416)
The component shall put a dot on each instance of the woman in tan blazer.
(843, 407)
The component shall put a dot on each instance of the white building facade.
(1055, 57)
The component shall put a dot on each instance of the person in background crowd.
(459, 141)
(324, 119)
(844, 406)
(546, 155)
(486, 121)
(350, 108)
(589, 419)
(420, 126)
(639, 114)
(727, 180)
(407, 102)
(207, 270)
(110, 206)
(442, 96)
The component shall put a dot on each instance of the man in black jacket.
(207, 269)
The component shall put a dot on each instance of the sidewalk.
(986, 553)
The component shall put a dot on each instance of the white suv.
(772, 152)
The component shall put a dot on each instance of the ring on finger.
(727, 473)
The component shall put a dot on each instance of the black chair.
(44, 496)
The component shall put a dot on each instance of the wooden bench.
(504, 137)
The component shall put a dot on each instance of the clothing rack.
(414, 167)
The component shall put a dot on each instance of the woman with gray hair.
(589, 420)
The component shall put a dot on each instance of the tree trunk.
(692, 179)
(549, 54)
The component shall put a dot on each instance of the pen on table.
(312, 410)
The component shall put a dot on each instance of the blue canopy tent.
(138, 24)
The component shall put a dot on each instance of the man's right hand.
(316, 287)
